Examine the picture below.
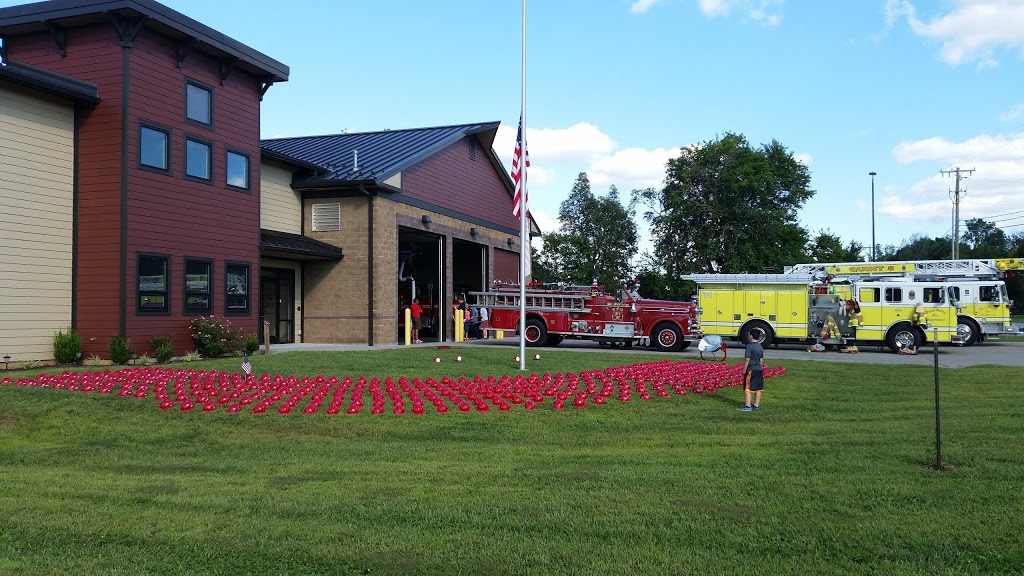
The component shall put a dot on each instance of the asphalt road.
(998, 353)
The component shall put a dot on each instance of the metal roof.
(41, 16)
(51, 82)
(296, 246)
(373, 157)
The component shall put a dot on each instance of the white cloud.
(630, 169)
(581, 142)
(768, 12)
(642, 6)
(970, 32)
(994, 187)
(805, 158)
(1014, 115)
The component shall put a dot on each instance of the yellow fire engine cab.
(896, 312)
(978, 287)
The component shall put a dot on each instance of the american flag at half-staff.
(519, 157)
(246, 366)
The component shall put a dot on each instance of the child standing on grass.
(753, 374)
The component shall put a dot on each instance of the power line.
(1000, 181)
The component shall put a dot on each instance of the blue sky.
(904, 88)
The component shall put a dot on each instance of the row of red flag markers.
(233, 392)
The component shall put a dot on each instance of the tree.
(728, 207)
(918, 247)
(595, 234)
(985, 240)
(828, 247)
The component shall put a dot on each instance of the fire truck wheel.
(536, 332)
(903, 335)
(968, 329)
(685, 344)
(762, 332)
(667, 337)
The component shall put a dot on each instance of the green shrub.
(252, 344)
(163, 348)
(144, 360)
(215, 337)
(93, 360)
(192, 356)
(67, 346)
(120, 349)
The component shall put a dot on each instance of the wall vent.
(326, 217)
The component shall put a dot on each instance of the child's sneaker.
(755, 406)
(745, 409)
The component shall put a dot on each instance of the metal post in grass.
(266, 337)
(938, 428)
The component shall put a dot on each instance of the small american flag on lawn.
(246, 366)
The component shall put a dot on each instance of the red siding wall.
(93, 55)
(168, 214)
(452, 180)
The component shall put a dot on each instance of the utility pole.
(956, 207)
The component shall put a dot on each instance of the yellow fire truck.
(978, 287)
(896, 312)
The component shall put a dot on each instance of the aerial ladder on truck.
(982, 302)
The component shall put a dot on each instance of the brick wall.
(336, 294)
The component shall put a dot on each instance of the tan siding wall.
(36, 192)
(280, 206)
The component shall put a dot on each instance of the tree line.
(726, 207)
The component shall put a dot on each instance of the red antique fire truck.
(557, 311)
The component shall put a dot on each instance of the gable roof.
(373, 157)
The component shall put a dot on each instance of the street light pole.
(872, 174)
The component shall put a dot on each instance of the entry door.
(277, 288)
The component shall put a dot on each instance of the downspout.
(369, 262)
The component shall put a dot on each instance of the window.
(988, 293)
(198, 103)
(236, 280)
(326, 217)
(197, 159)
(894, 295)
(198, 296)
(869, 294)
(237, 170)
(154, 148)
(151, 272)
(933, 295)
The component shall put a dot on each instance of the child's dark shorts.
(754, 381)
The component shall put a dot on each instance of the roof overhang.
(63, 14)
(50, 82)
(274, 244)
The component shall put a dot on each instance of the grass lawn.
(827, 478)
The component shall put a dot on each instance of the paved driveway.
(998, 353)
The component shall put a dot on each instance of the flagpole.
(524, 235)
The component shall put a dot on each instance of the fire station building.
(137, 194)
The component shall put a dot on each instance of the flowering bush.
(215, 337)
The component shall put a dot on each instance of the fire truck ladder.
(913, 268)
(534, 300)
(794, 278)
